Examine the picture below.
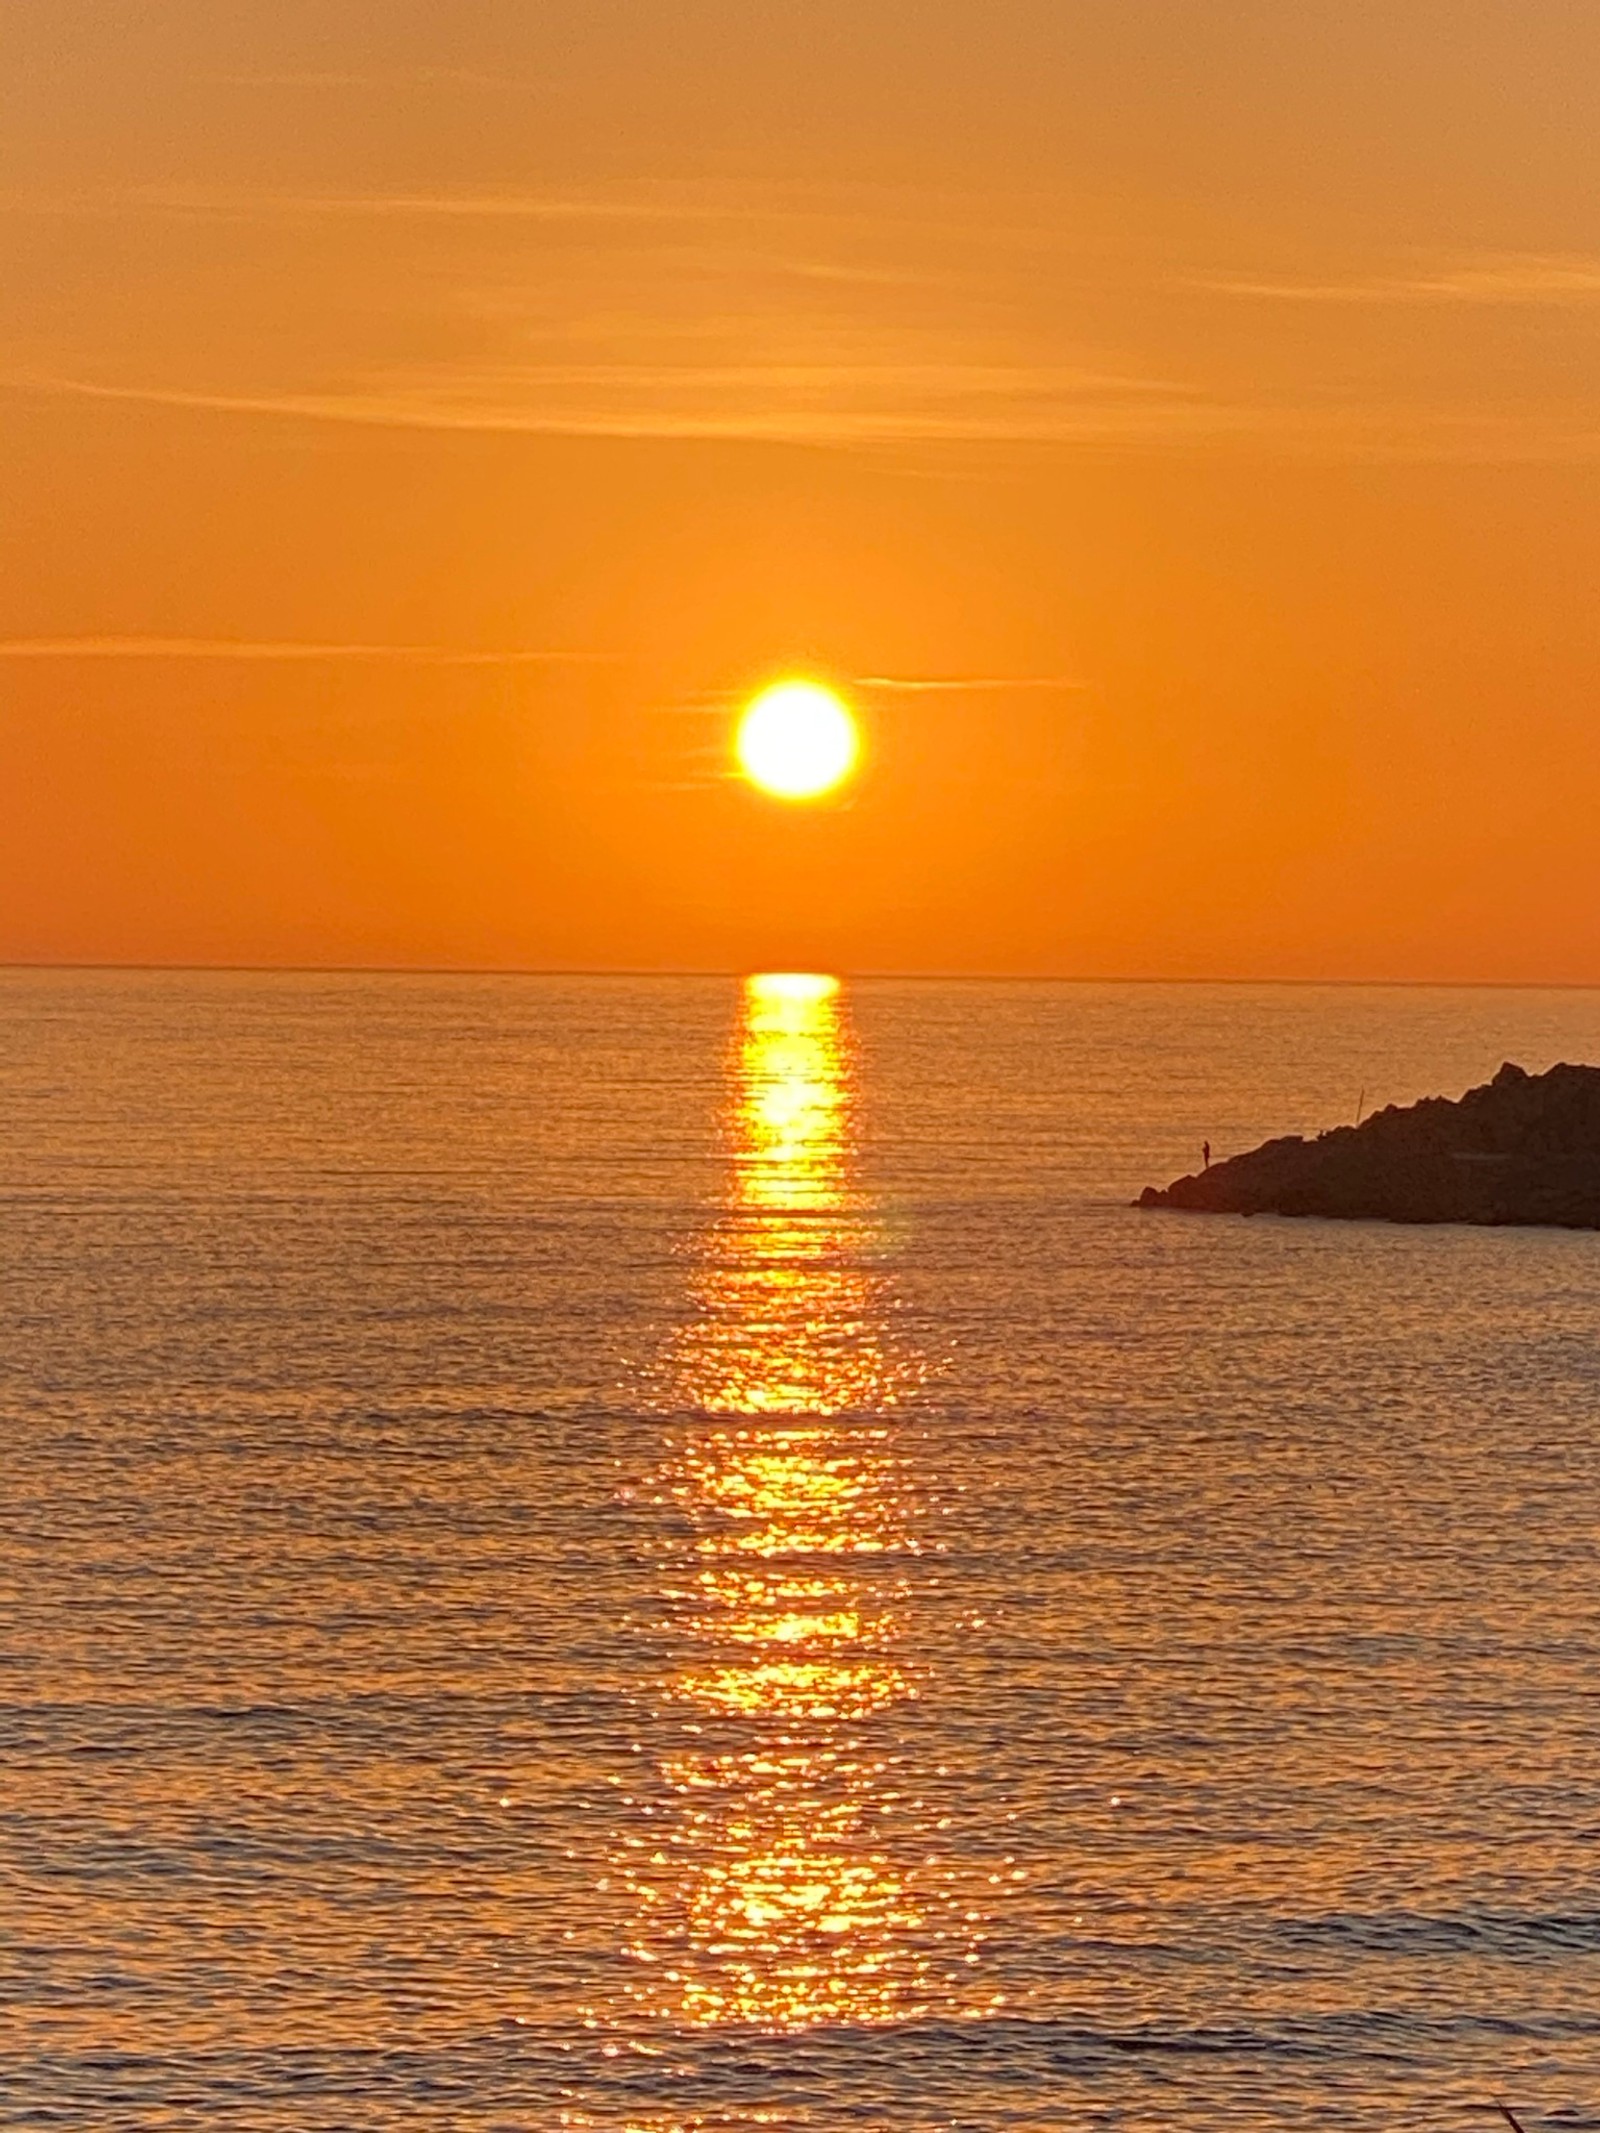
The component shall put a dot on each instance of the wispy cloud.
(1518, 278)
(384, 79)
(820, 404)
(651, 204)
(491, 207)
(967, 685)
(275, 649)
(916, 406)
(862, 208)
(842, 319)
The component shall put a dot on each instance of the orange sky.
(422, 426)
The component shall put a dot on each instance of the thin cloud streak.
(973, 685)
(272, 649)
(1534, 278)
(860, 209)
(482, 207)
(1040, 410)
(393, 78)
(497, 207)
(908, 405)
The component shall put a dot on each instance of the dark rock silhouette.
(1524, 1148)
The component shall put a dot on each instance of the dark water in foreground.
(662, 1555)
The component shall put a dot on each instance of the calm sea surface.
(670, 1554)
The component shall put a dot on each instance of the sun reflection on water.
(791, 1882)
(789, 1300)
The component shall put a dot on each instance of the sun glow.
(798, 741)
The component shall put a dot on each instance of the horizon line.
(733, 973)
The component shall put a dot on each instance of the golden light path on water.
(796, 1882)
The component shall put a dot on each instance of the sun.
(798, 741)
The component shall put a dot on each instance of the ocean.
(663, 1554)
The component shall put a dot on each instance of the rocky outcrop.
(1524, 1148)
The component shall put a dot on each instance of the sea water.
(660, 1554)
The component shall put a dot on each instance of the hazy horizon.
(733, 974)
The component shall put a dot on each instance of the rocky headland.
(1524, 1148)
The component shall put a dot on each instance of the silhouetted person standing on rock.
(1205, 1152)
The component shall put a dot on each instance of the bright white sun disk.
(798, 740)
